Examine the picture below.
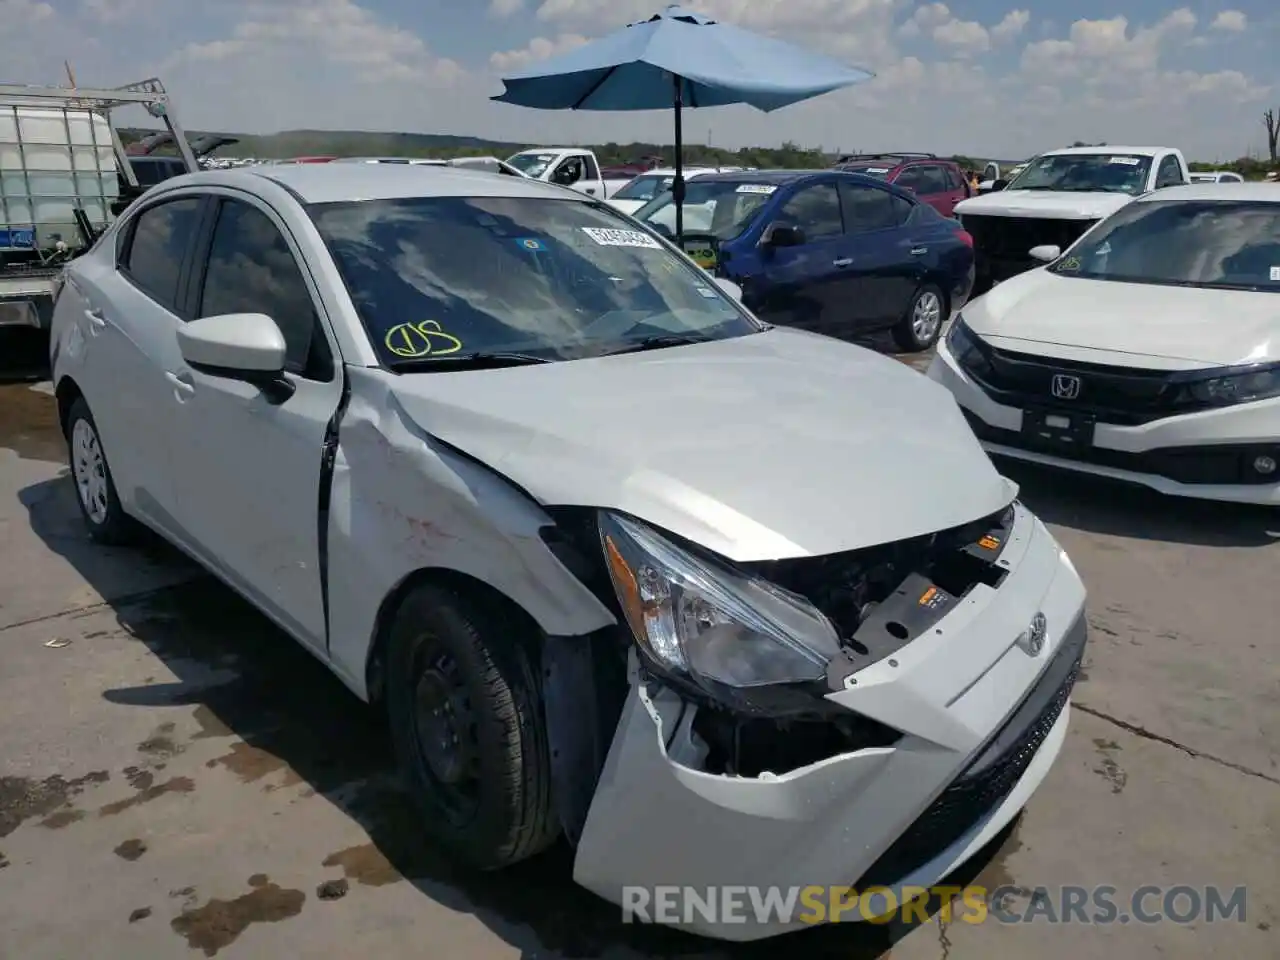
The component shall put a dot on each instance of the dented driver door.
(248, 460)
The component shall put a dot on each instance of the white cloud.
(1233, 21)
(539, 48)
(1107, 47)
(340, 32)
(16, 14)
(501, 9)
(1013, 24)
(262, 65)
(965, 37)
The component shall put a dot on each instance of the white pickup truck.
(1056, 198)
(571, 167)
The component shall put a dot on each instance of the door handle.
(183, 386)
(591, 190)
(919, 251)
(96, 317)
(842, 262)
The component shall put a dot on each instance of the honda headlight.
(1241, 387)
(963, 345)
(703, 622)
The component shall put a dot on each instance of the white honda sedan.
(621, 562)
(1148, 351)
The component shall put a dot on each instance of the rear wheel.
(468, 731)
(95, 489)
(920, 325)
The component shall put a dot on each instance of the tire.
(919, 327)
(486, 796)
(96, 495)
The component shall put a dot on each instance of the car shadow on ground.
(1111, 507)
(245, 679)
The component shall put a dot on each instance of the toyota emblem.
(1065, 386)
(1031, 640)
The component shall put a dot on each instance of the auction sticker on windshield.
(1127, 161)
(1275, 274)
(760, 188)
(621, 238)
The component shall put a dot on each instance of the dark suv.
(939, 183)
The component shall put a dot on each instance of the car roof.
(1109, 148)
(777, 177)
(1256, 192)
(335, 183)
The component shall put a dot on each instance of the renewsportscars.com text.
(1100, 905)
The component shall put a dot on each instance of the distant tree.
(1272, 123)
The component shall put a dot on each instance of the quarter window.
(252, 270)
(158, 246)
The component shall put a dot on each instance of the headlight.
(708, 624)
(963, 345)
(1237, 387)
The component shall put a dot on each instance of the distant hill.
(358, 143)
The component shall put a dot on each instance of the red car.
(939, 183)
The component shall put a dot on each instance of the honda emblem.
(1065, 386)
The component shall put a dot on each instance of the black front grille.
(1001, 244)
(1118, 395)
(990, 777)
(1220, 464)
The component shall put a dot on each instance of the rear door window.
(868, 208)
(157, 247)
(816, 210)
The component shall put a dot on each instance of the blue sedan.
(837, 253)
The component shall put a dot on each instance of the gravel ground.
(177, 778)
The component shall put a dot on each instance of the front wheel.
(96, 495)
(919, 327)
(466, 721)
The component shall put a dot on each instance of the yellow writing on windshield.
(413, 341)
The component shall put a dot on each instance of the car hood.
(1044, 203)
(1105, 321)
(773, 445)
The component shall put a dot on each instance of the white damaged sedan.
(1148, 351)
(620, 562)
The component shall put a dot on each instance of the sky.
(993, 78)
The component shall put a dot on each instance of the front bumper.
(981, 723)
(1204, 455)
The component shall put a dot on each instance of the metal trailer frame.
(21, 294)
(149, 93)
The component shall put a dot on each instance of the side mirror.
(782, 235)
(238, 346)
(729, 287)
(998, 185)
(1045, 253)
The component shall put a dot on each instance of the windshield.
(1085, 172)
(644, 188)
(442, 279)
(720, 208)
(533, 164)
(1231, 245)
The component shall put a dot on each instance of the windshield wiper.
(468, 361)
(658, 342)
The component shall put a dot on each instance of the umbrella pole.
(677, 186)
